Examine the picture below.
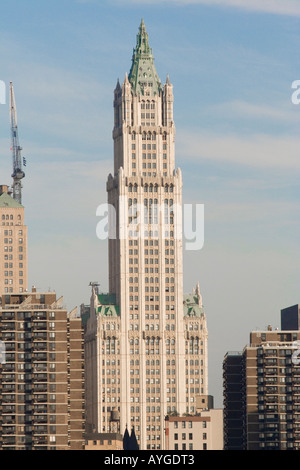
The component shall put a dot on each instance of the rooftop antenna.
(18, 173)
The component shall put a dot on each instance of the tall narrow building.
(146, 343)
(13, 244)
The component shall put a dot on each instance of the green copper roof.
(191, 308)
(143, 73)
(108, 307)
(7, 201)
(109, 311)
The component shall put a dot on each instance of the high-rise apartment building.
(268, 387)
(42, 375)
(146, 343)
(13, 244)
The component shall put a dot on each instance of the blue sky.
(232, 64)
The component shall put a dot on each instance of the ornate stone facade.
(150, 345)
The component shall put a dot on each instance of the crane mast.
(18, 173)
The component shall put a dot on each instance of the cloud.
(257, 150)
(239, 108)
(278, 7)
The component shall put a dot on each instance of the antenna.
(18, 173)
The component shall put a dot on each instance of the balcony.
(41, 429)
(8, 420)
(40, 316)
(6, 430)
(40, 409)
(8, 388)
(40, 419)
(40, 356)
(8, 326)
(6, 409)
(41, 398)
(8, 378)
(8, 441)
(8, 336)
(8, 316)
(8, 398)
(40, 346)
(40, 325)
(40, 388)
(40, 377)
(40, 336)
(42, 440)
(8, 367)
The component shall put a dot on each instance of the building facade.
(41, 374)
(269, 394)
(201, 432)
(146, 343)
(104, 441)
(13, 244)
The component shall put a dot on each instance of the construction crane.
(18, 173)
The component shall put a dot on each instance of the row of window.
(151, 188)
(10, 217)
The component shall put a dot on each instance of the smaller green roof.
(191, 308)
(7, 201)
(109, 311)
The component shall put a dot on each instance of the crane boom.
(18, 173)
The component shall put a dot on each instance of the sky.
(232, 64)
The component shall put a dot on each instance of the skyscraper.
(13, 244)
(146, 343)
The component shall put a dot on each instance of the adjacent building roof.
(7, 201)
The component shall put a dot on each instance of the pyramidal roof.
(143, 75)
(7, 201)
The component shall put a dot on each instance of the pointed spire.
(142, 27)
(118, 86)
(199, 296)
(168, 80)
(126, 439)
(143, 74)
(133, 440)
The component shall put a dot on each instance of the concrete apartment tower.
(262, 389)
(146, 343)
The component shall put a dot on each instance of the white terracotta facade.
(146, 351)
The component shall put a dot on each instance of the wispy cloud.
(239, 108)
(258, 150)
(278, 7)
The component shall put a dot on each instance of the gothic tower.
(145, 338)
